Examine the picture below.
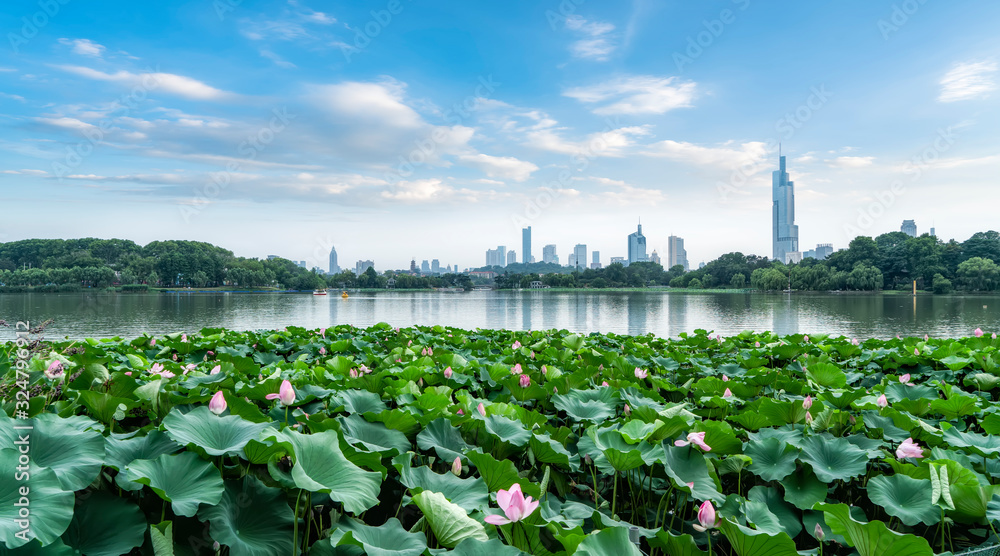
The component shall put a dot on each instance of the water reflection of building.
(677, 309)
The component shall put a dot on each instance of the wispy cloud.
(84, 47)
(640, 94)
(504, 167)
(969, 80)
(597, 43)
(851, 162)
(278, 60)
(729, 155)
(177, 84)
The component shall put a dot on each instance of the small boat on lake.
(319, 292)
(343, 295)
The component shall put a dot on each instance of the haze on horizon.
(398, 130)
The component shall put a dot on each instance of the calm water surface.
(95, 315)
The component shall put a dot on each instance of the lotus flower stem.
(295, 524)
(614, 494)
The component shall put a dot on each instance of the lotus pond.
(426, 441)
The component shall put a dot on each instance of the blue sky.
(399, 129)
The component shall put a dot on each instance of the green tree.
(979, 274)
(865, 278)
(941, 284)
(739, 281)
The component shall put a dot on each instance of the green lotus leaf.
(375, 437)
(833, 459)
(185, 480)
(580, 409)
(507, 430)
(450, 523)
(872, 538)
(471, 494)
(216, 435)
(251, 519)
(789, 518)
(905, 498)
(773, 459)
(492, 547)
(89, 532)
(684, 465)
(609, 541)
(50, 507)
(750, 542)
(72, 448)
(803, 490)
(444, 439)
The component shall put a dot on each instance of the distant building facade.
(435, 266)
(909, 228)
(496, 257)
(676, 255)
(511, 256)
(549, 254)
(361, 266)
(595, 262)
(334, 267)
(637, 247)
(654, 257)
(580, 255)
(619, 260)
(785, 233)
(526, 245)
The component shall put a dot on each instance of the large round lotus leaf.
(773, 458)
(320, 466)
(492, 547)
(803, 489)
(833, 459)
(685, 464)
(471, 494)
(73, 448)
(374, 437)
(444, 439)
(121, 452)
(874, 538)
(750, 542)
(50, 507)
(251, 519)
(216, 435)
(105, 525)
(450, 523)
(389, 539)
(613, 540)
(507, 430)
(580, 409)
(34, 548)
(904, 497)
(185, 480)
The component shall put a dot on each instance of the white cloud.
(597, 45)
(967, 81)
(641, 94)
(622, 193)
(418, 191)
(278, 60)
(729, 156)
(177, 84)
(611, 143)
(67, 123)
(381, 102)
(504, 167)
(851, 162)
(18, 98)
(27, 172)
(84, 47)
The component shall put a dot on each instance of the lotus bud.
(605, 383)
(482, 409)
(354, 373)
(818, 533)
(460, 412)
(809, 418)
(544, 369)
(807, 403)
(322, 350)
(905, 378)
(456, 467)
(516, 345)
(805, 339)
(978, 332)
(448, 372)
(217, 404)
(756, 344)
(175, 357)
(881, 401)
(725, 378)
(628, 410)
(524, 381)
(728, 393)
(152, 342)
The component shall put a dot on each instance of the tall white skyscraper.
(785, 232)
(526, 245)
(549, 254)
(334, 267)
(580, 256)
(676, 255)
(637, 247)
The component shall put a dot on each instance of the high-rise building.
(580, 255)
(824, 250)
(785, 233)
(932, 232)
(435, 266)
(496, 257)
(909, 228)
(413, 266)
(425, 267)
(334, 267)
(526, 245)
(595, 261)
(655, 258)
(637, 247)
(511, 257)
(676, 255)
(571, 262)
(619, 260)
(361, 266)
(549, 254)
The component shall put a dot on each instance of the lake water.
(79, 315)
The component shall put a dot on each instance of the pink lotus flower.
(640, 373)
(916, 351)
(725, 378)
(531, 354)
(156, 369)
(128, 373)
(152, 342)
(807, 403)
(805, 339)
(706, 517)
(354, 373)
(728, 393)
(285, 395)
(322, 350)
(175, 357)
(854, 341)
(905, 378)
(516, 369)
(184, 337)
(363, 369)
(55, 369)
(756, 344)
(696, 438)
(460, 412)
(482, 409)
(809, 418)
(604, 383)
(544, 369)
(456, 466)
(217, 404)
(909, 449)
(926, 337)
(514, 504)
(189, 367)
(524, 381)
(978, 332)
(430, 351)
(423, 351)
(516, 345)
(818, 532)
(215, 370)
(409, 343)
(448, 372)
(627, 410)
(881, 401)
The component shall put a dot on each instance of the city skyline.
(288, 127)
